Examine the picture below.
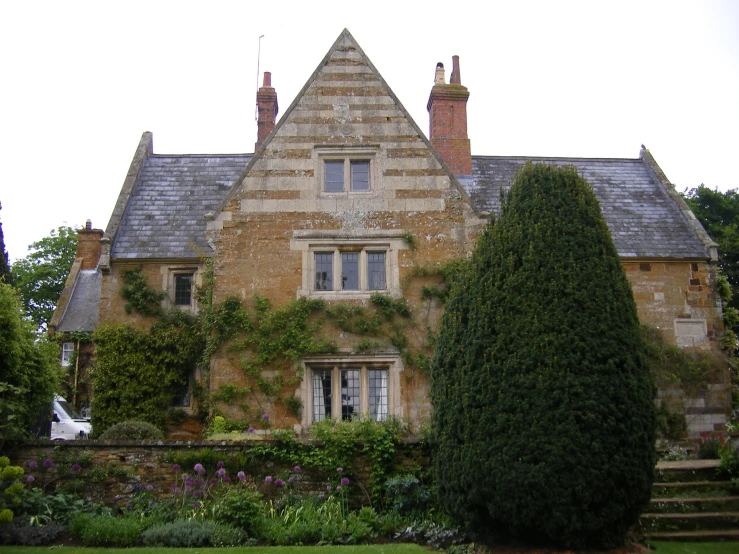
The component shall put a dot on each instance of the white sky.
(82, 80)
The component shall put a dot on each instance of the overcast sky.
(82, 80)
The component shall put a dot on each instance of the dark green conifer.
(543, 402)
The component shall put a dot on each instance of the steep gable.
(345, 110)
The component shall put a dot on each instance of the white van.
(66, 423)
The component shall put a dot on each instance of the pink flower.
(344, 481)
(30, 479)
(76, 468)
(268, 479)
(199, 468)
(48, 463)
(291, 479)
(149, 487)
(279, 483)
(176, 467)
(241, 475)
(328, 487)
(265, 417)
(221, 473)
(339, 469)
(338, 487)
(220, 464)
(251, 430)
(296, 468)
(32, 464)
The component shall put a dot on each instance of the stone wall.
(113, 470)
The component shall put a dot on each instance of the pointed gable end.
(345, 145)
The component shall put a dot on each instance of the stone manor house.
(346, 197)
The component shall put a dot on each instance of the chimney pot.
(88, 225)
(267, 79)
(456, 75)
(439, 76)
(266, 110)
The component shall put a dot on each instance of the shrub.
(709, 446)
(193, 533)
(105, 530)
(543, 401)
(243, 508)
(22, 533)
(406, 495)
(133, 431)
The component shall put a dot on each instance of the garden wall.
(110, 471)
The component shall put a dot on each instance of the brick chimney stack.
(447, 107)
(88, 246)
(266, 109)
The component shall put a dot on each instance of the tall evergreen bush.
(543, 402)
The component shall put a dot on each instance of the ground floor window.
(349, 390)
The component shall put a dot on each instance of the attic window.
(345, 170)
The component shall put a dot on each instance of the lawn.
(365, 549)
(694, 547)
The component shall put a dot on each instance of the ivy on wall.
(139, 371)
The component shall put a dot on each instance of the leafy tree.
(718, 212)
(4, 265)
(40, 276)
(28, 369)
(543, 402)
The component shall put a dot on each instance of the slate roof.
(165, 216)
(81, 313)
(643, 219)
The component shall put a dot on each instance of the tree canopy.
(543, 402)
(4, 265)
(29, 368)
(40, 276)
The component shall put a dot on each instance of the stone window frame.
(390, 362)
(363, 241)
(323, 154)
(67, 351)
(168, 277)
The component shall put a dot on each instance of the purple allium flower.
(177, 490)
(339, 469)
(149, 487)
(173, 486)
(220, 464)
(196, 505)
(344, 481)
(213, 481)
(241, 475)
(196, 492)
(291, 479)
(176, 467)
(48, 463)
(76, 468)
(265, 417)
(268, 479)
(188, 484)
(199, 468)
(30, 479)
(221, 473)
(32, 464)
(296, 468)
(328, 487)
(226, 479)
(338, 487)
(279, 483)
(251, 430)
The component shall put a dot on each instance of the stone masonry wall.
(111, 471)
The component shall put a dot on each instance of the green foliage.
(40, 276)
(543, 401)
(139, 373)
(670, 425)
(709, 446)
(139, 297)
(5, 275)
(410, 240)
(132, 431)
(22, 532)
(28, 370)
(407, 496)
(189, 533)
(242, 507)
(105, 530)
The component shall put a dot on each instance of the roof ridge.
(554, 158)
(221, 155)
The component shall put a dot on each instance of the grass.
(364, 549)
(660, 547)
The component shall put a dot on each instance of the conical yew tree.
(543, 402)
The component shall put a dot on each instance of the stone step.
(694, 488)
(702, 521)
(683, 505)
(695, 536)
(689, 470)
